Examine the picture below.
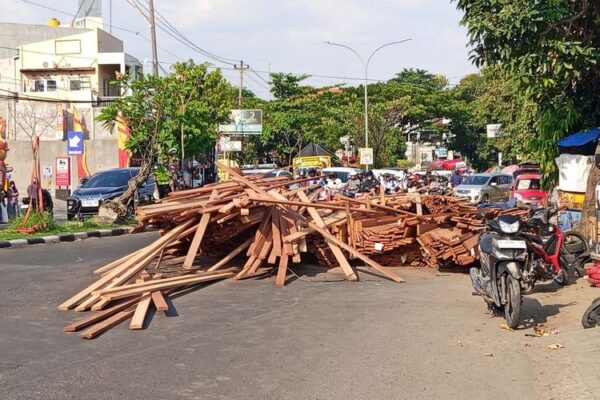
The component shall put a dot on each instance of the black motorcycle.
(502, 257)
(591, 317)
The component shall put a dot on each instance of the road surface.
(428, 338)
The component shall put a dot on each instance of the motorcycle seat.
(485, 243)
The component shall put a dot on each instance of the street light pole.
(366, 67)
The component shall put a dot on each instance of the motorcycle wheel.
(574, 245)
(563, 278)
(591, 317)
(512, 309)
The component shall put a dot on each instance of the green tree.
(551, 49)
(157, 111)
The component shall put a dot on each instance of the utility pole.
(153, 37)
(242, 68)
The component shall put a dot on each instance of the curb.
(69, 237)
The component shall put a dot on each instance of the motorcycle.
(503, 256)
(591, 317)
(551, 252)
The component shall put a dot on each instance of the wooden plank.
(195, 245)
(105, 325)
(126, 292)
(137, 322)
(152, 248)
(282, 271)
(231, 255)
(159, 301)
(99, 316)
(339, 256)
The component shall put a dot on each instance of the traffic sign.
(74, 143)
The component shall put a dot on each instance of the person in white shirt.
(333, 182)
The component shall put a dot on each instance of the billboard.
(243, 122)
(225, 144)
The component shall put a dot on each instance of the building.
(73, 64)
(48, 70)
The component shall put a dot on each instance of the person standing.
(456, 178)
(13, 200)
(32, 193)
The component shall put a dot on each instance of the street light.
(366, 67)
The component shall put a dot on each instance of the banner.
(366, 155)
(123, 134)
(82, 167)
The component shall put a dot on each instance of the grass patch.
(55, 228)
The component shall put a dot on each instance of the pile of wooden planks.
(255, 226)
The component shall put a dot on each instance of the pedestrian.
(13, 200)
(161, 175)
(456, 178)
(3, 213)
(32, 192)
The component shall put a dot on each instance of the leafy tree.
(158, 109)
(551, 48)
(284, 86)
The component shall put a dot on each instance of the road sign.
(493, 130)
(74, 143)
(63, 171)
(47, 171)
(366, 155)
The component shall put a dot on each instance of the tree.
(284, 86)
(156, 111)
(551, 49)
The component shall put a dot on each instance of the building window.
(38, 85)
(75, 84)
(51, 85)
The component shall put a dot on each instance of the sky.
(286, 35)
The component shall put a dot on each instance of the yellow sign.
(312, 161)
(572, 200)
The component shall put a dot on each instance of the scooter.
(503, 256)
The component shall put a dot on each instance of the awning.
(583, 142)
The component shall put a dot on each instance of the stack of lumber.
(260, 219)
(255, 226)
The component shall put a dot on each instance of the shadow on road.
(534, 313)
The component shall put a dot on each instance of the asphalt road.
(425, 339)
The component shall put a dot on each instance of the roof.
(342, 169)
(314, 149)
(583, 142)
(529, 176)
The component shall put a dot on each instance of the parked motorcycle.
(503, 256)
(552, 253)
(591, 317)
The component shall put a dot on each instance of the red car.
(527, 189)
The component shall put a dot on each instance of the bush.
(406, 164)
(43, 221)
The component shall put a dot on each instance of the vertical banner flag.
(82, 167)
(123, 134)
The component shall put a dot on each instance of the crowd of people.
(360, 183)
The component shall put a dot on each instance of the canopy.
(314, 149)
(583, 142)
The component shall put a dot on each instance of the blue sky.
(289, 35)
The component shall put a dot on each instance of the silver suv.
(485, 188)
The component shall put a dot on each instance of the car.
(527, 189)
(485, 187)
(107, 185)
(341, 172)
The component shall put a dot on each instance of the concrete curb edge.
(69, 237)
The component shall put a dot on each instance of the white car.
(341, 172)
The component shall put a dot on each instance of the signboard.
(74, 143)
(366, 155)
(494, 130)
(47, 171)
(63, 171)
(243, 122)
(61, 122)
(441, 152)
(225, 144)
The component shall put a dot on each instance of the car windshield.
(528, 184)
(111, 179)
(476, 180)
